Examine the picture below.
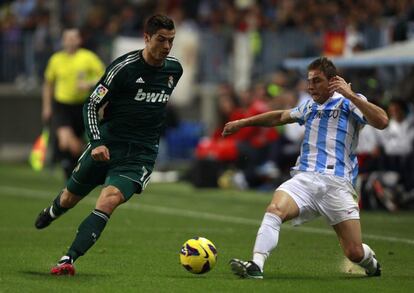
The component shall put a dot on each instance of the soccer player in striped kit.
(326, 169)
(123, 146)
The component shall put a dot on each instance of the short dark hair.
(157, 22)
(324, 65)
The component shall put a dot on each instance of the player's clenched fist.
(100, 153)
(231, 127)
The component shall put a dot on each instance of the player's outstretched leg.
(266, 240)
(90, 229)
(282, 207)
(349, 234)
(245, 269)
(88, 233)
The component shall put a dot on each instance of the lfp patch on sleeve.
(99, 93)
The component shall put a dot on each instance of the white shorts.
(318, 194)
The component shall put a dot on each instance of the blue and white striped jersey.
(331, 136)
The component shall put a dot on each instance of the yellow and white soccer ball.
(198, 255)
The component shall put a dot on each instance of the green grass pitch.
(138, 251)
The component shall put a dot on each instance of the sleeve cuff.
(96, 143)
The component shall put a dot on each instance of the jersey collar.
(149, 65)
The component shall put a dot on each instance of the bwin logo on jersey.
(152, 97)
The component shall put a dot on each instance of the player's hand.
(100, 153)
(231, 127)
(339, 85)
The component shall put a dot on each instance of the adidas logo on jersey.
(152, 97)
(140, 80)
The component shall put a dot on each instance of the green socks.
(88, 232)
(56, 209)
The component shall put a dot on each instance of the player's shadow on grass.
(47, 275)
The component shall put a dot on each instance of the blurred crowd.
(276, 29)
(254, 157)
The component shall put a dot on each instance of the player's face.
(159, 44)
(318, 86)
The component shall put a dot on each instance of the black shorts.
(68, 115)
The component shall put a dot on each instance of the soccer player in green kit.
(123, 146)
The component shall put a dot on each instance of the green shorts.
(129, 170)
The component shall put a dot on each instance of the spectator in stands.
(368, 154)
(287, 148)
(397, 142)
(254, 146)
(216, 147)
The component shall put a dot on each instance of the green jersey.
(135, 94)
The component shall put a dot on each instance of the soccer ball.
(198, 255)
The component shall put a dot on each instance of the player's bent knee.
(69, 199)
(110, 198)
(276, 209)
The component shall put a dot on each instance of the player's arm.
(96, 100)
(268, 119)
(104, 91)
(374, 115)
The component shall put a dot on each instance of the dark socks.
(88, 232)
(56, 209)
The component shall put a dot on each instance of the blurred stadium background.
(240, 57)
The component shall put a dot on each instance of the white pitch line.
(198, 215)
